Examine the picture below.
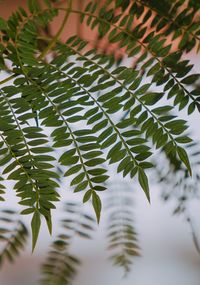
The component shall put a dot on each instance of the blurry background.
(167, 249)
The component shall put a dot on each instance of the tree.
(70, 109)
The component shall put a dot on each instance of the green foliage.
(73, 106)
(121, 235)
(176, 179)
(61, 265)
(177, 184)
(13, 236)
(2, 190)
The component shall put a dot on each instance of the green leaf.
(143, 180)
(96, 202)
(87, 196)
(35, 226)
(3, 24)
(184, 158)
(49, 223)
(183, 139)
(152, 98)
(143, 89)
(191, 79)
(81, 186)
(27, 211)
(32, 5)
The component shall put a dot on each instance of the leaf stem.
(55, 39)
(7, 79)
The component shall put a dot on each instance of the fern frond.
(34, 173)
(13, 236)
(63, 115)
(122, 236)
(24, 160)
(177, 186)
(175, 19)
(127, 80)
(57, 118)
(21, 32)
(2, 190)
(177, 179)
(154, 55)
(61, 266)
(78, 221)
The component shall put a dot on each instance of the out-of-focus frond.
(13, 236)
(177, 184)
(61, 265)
(122, 236)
